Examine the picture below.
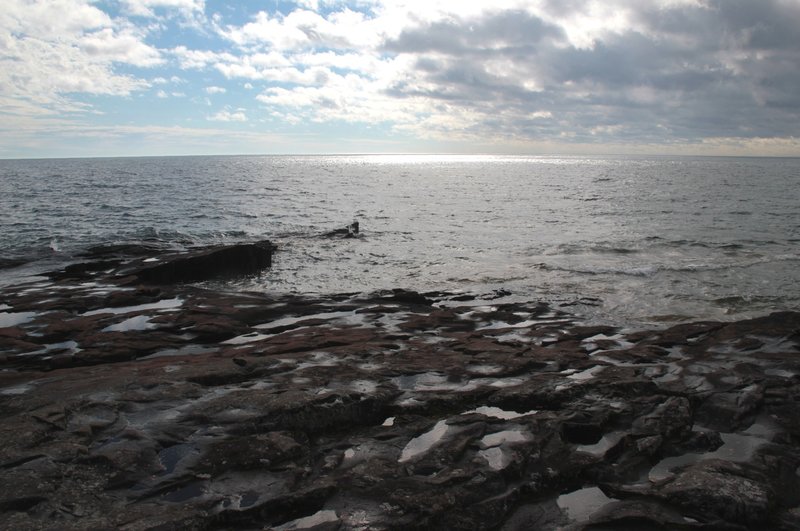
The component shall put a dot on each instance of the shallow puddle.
(133, 324)
(588, 374)
(780, 373)
(320, 359)
(163, 304)
(187, 350)
(736, 447)
(70, 346)
(606, 442)
(423, 443)
(496, 412)
(484, 369)
(186, 493)
(15, 318)
(513, 337)
(171, 457)
(434, 381)
(427, 381)
(246, 338)
(503, 437)
(363, 386)
(495, 457)
(317, 519)
(581, 504)
(16, 390)
(290, 322)
(496, 325)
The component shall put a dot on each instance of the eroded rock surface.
(129, 405)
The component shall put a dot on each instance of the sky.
(182, 77)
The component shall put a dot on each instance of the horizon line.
(405, 154)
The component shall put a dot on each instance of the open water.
(621, 239)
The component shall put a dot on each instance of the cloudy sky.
(153, 77)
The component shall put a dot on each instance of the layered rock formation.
(131, 405)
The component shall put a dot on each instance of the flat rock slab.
(136, 405)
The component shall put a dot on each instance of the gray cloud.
(729, 68)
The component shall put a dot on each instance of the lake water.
(638, 239)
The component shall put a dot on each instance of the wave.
(650, 270)
(654, 243)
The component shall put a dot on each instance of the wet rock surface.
(128, 404)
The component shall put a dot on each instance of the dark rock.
(407, 297)
(581, 433)
(84, 269)
(209, 418)
(251, 453)
(8, 263)
(20, 504)
(240, 259)
(729, 491)
(636, 515)
(730, 411)
(350, 231)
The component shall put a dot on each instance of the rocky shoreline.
(132, 400)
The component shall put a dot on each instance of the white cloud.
(228, 116)
(304, 29)
(54, 48)
(677, 71)
(145, 8)
(122, 47)
(199, 59)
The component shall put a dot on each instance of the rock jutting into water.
(350, 231)
(131, 405)
(239, 259)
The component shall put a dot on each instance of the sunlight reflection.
(423, 158)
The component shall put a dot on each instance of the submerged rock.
(350, 231)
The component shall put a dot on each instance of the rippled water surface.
(653, 239)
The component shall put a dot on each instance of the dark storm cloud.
(508, 31)
(727, 68)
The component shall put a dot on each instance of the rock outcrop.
(232, 260)
(133, 405)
